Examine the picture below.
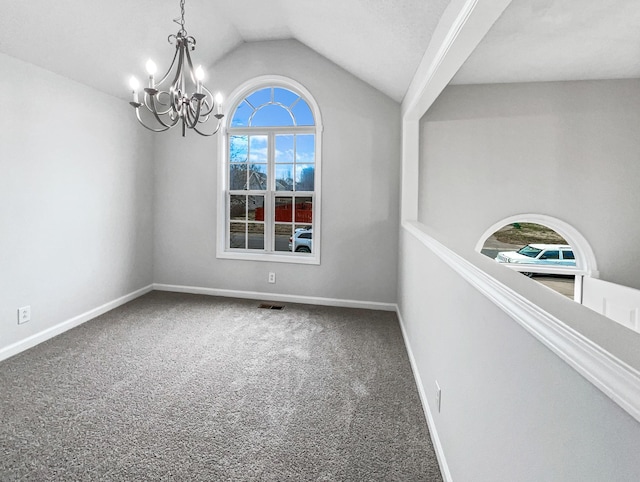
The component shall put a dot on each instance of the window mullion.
(271, 174)
(227, 234)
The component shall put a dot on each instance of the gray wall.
(360, 177)
(511, 409)
(76, 191)
(564, 149)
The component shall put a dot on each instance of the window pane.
(238, 177)
(256, 208)
(304, 177)
(285, 96)
(272, 115)
(284, 177)
(304, 210)
(237, 236)
(238, 207)
(259, 147)
(284, 149)
(256, 235)
(238, 148)
(241, 115)
(302, 240)
(258, 177)
(284, 209)
(305, 148)
(260, 97)
(303, 114)
(283, 233)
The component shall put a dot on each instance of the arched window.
(270, 179)
(544, 247)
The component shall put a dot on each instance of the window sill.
(313, 259)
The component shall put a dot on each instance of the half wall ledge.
(595, 346)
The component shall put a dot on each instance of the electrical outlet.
(24, 314)
(272, 277)
(438, 397)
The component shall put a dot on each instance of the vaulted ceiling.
(555, 40)
(101, 43)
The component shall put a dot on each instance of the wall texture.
(511, 409)
(76, 197)
(564, 149)
(360, 177)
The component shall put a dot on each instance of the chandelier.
(169, 100)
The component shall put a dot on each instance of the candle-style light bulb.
(152, 68)
(135, 85)
(218, 100)
(199, 78)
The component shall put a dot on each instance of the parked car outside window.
(302, 240)
(539, 254)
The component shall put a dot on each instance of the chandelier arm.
(170, 67)
(158, 101)
(191, 117)
(146, 126)
(178, 80)
(205, 101)
(146, 102)
(211, 134)
(189, 63)
(204, 117)
(154, 111)
(194, 115)
(151, 108)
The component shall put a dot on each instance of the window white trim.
(234, 99)
(585, 259)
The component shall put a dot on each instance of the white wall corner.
(433, 431)
(60, 328)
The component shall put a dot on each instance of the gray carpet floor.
(185, 387)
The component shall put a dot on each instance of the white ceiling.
(101, 43)
(548, 40)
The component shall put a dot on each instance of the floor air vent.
(270, 306)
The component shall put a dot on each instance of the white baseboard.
(310, 300)
(435, 439)
(49, 333)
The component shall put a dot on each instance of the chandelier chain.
(181, 20)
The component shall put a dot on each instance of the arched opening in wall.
(543, 248)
